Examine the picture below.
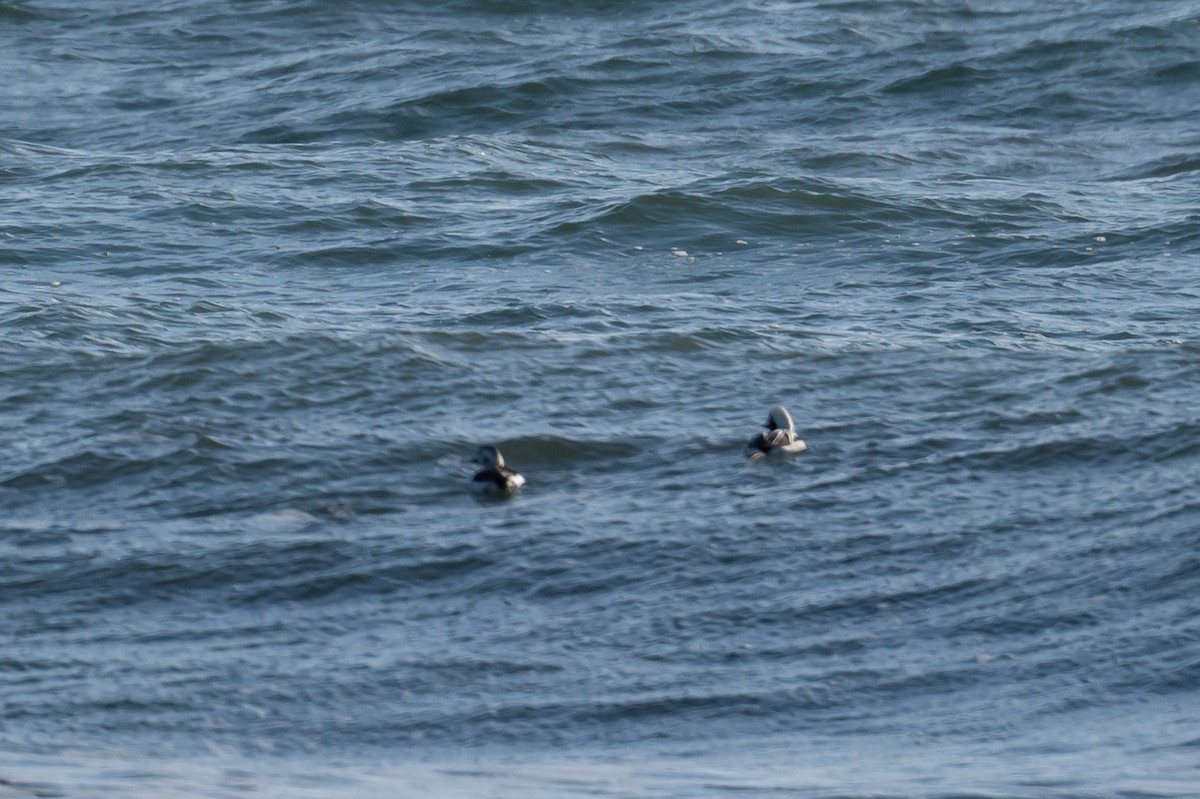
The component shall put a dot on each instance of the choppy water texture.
(269, 273)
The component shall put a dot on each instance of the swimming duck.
(779, 437)
(494, 479)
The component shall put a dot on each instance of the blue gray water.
(269, 273)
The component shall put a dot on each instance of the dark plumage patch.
(499, 479)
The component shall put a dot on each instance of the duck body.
(495, 479)
(778, 437)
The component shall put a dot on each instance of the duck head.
(779, 419)
(489, 457)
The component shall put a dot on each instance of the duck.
(495, 479)
(779, 437)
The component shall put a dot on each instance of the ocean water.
(271, 271)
